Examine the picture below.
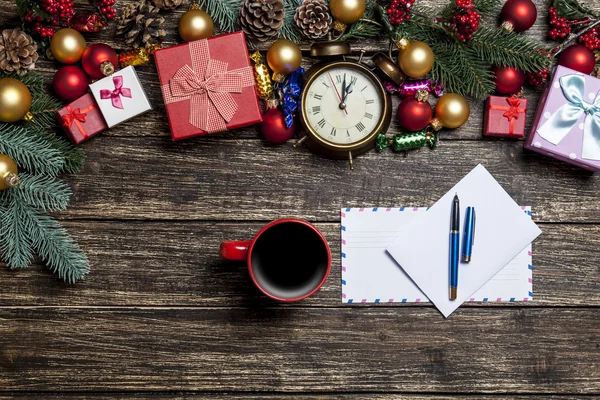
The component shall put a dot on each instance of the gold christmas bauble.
(67, 45)
(195, 24)
(15, 100)
(283, 57)
(416, 59)
(346, 12)
(8, 172)
(452, 110)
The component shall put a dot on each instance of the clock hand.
(342, 105)
(344, 94)
(348, 90)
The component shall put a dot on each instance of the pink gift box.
(81, 119)
(208, 86)
(504, 117)
(567, 121)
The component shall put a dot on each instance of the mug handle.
(235, 251)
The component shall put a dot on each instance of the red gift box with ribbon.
(208, 86)
(81, 119)
(505, 117)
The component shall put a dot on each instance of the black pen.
(454, 246)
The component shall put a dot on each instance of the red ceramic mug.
(288, 259)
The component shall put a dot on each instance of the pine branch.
(30, 151)
(15, 245)
(497, 47)
(290, 30)
(52, 242)
(573, 9)
(488, 8)
(42, 192)
(73, 156)
(43, 108)
(366, 27)
(224, 13)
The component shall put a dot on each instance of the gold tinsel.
(138, 56)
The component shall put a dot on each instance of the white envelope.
(502, 231)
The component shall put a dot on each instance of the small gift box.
(567, 121)
(504, 117)
(120, 96)
(81, 119)
(208, 86)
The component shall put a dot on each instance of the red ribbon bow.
(208, 85)
(73, 115)
(76, 116)
(512, 112)
(115, 95)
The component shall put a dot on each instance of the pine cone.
(313, 18)
(18, 51)
(141, 26)
(262, 19)
(167, 4)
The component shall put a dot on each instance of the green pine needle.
(73, 156)
(42, 192)
(16, 246)
(41, 156)
(488, 8)
(499, 47)
(289, 30)
(224, 13)
(31, 152)
(573, 9)
(366, 27)
(52, 242)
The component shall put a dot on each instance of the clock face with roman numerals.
(343, 104)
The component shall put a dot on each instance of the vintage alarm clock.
(344, 104)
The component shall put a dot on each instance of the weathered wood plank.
(298, 350)
(153, 178)
(167, 264)
(267, 396)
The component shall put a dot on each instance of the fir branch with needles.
(224, 13)
(574, 9)
(365, 27)
(25, 227)
(289, 30)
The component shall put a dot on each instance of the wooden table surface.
(160, 316)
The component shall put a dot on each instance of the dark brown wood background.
(161, 317)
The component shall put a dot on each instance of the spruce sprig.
(25, 228)
(289, 30)
(573, 9)
(366, 27)
(224, 13)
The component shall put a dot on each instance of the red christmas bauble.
(521, 14)
(508, 80)
(578, 57)
(273, 126)
(70, 83)
(413, 114)
(99, 60)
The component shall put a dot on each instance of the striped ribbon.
(208, 85)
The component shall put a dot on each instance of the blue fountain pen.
(454, 246)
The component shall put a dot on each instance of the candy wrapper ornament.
(208, 86)
(567, 122)
(120, 96)
(290, 95)
(81, 119)
(504, 117)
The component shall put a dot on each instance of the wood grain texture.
(300, 350)
(267, 396)
(221, 179)
(162, 317)
(166, 264)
